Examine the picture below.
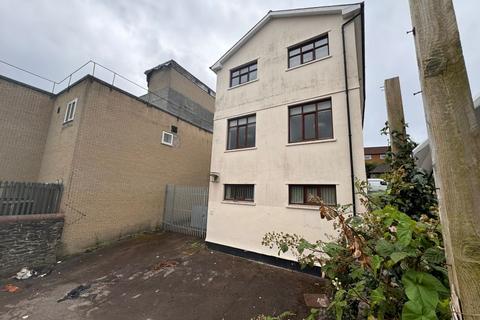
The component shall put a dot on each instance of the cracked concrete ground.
(159, 276)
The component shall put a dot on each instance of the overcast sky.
(53, 38)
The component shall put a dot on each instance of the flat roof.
(175, 65)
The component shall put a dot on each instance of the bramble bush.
(410, 189)
(389, 262)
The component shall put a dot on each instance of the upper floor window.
(312, 121)
(167, 138)
(70, 111)
(239, 192)
(308, 51)
(241, 132)
(368, 157)
(309, 194)
(243, 74)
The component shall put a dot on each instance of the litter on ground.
(75, 293)
(9, 288)
(24, 273)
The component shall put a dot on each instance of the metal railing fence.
(186, 210)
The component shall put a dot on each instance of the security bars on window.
(311, 121)
(308, 51)
(70, 111)
(243, 74)
(239, 192)
(241, 132)
(306, 194)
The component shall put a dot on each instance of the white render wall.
(273, 163)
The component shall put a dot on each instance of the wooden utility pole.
(454, 134)
(396, 119)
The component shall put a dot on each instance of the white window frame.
(164, 134)
(368, 157)
(71, 105)
(383, 156)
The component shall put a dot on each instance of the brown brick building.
(113, 151)
(375, 161)
(375, 154)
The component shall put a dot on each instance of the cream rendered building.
(284, 127)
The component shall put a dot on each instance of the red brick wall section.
(28, 241)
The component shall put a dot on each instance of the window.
(167, 138)
(368, 157)
(243, 74)
(239, 192)
(241, 132)
(70, 111)
(312, 121)
(308, 51)
(382, 156)
(305, 194)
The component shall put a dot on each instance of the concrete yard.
(159, 276)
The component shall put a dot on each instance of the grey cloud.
(52, 38)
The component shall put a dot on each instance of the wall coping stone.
(32, 217)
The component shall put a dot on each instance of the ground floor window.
(239, 192)
(306, 194)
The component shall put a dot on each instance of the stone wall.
(28, 241)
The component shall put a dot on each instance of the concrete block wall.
(24, 119)
(120, 168)
(28, 241)
(110, 157)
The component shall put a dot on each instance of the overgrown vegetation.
(283, 316)
(369, 167)
(389, 262)
(286, 316)
(410, 189)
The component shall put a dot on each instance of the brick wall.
(56, 163)
(24, 120)
(110, 157)
(28, 241)
(115, 166)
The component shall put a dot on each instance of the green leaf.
(415, 311)
(313, 314)
(442, 270)
(332, 249)
(443, 309)
(405, 219)
(376, 262)
(357, 291)
(423, 288)
(377, 296)
(404, 234)
(434, 255)
(356, 273)
(339, 303)
(304, 244)
(398, 256)
(384, 248)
